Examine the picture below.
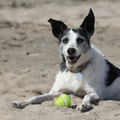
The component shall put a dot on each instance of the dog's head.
(74, 43)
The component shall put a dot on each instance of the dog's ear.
(58, 27)
(88, 23)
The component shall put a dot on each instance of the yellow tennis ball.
(62, 101)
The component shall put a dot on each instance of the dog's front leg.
(34, 100)
(87, 102)
(56, 90)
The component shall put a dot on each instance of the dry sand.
(29, 57)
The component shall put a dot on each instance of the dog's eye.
(80, 40)
(65, 40)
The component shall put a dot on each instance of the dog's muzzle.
(73, 59)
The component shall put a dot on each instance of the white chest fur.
(67, 80)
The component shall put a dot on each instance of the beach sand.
(29, 55)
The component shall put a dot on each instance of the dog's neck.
(80, 68)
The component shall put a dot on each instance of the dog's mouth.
(73, 59)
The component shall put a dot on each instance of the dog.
(84, 71)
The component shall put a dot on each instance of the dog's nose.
(71, 51)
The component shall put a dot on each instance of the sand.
(29, 55)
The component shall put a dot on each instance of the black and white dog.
(83, 70)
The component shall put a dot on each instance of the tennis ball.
(62, 101)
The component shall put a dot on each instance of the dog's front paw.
(85, 107)
(19, 104)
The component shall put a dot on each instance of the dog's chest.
(72, 81)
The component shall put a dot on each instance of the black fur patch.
(63, 64)
(82, 33)
(62, 35)
(113, 73)
(75, 30)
